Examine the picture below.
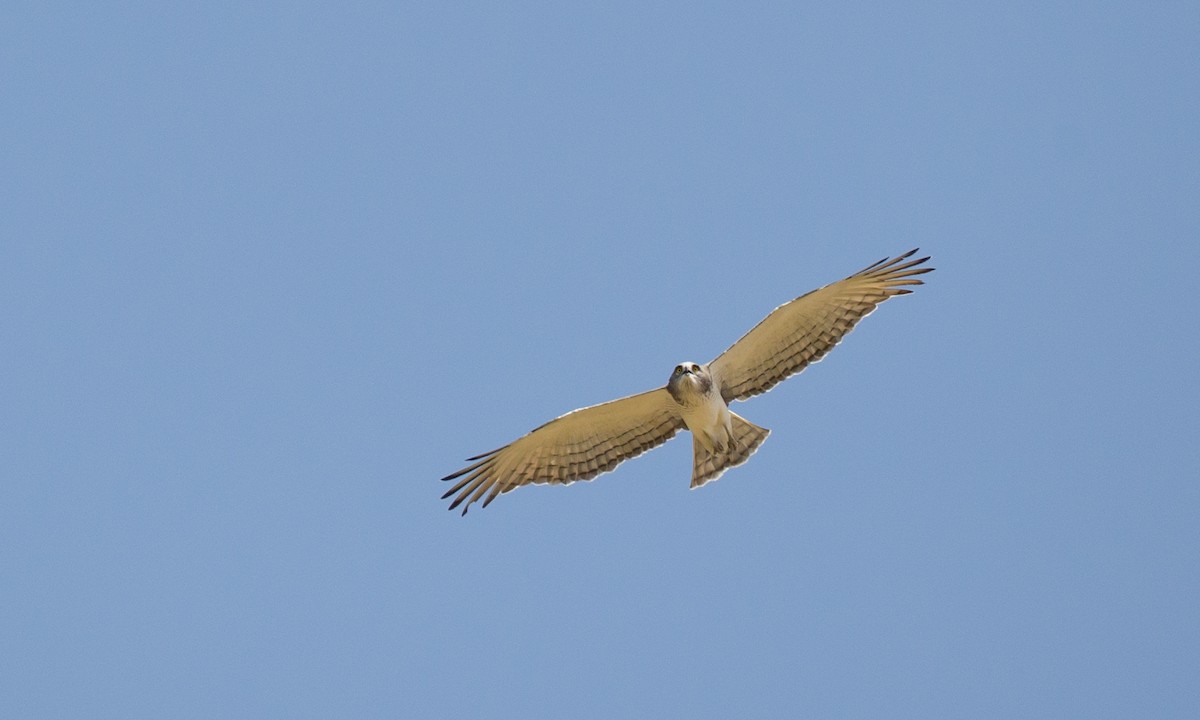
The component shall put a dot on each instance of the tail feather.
(708, 466)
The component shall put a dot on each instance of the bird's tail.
(709, 466)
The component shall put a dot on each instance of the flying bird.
(593, 440)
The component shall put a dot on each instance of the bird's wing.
(800, 332)
(577, 446)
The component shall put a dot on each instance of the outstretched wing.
(800, 332)
(577, 446)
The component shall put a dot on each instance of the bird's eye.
(678, 369)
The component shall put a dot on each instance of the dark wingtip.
(873, 265)
(481, 456)
(455, 474)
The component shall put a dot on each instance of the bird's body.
(720, 438)
(593, 440)
(704, 411)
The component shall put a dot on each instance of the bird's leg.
(731, 441)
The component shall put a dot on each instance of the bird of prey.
(593, 440)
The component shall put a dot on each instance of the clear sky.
(269, 270)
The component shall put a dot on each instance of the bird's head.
(688, 380)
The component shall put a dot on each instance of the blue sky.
(269, 271)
